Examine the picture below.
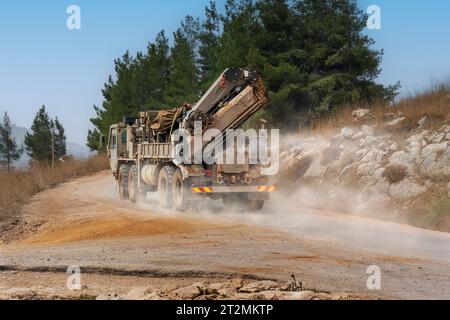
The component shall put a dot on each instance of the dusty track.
(119, 245)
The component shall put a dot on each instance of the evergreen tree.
(59, 139)
(336, 60)
(313, 55)
(38, 143)
(184, 73)
(156, 68)
(240, 29)
(94, 140)
(9, 150)
(208, 51)
(140, 83)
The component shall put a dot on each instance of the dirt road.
(120, 246)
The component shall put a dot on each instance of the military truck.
(144, 156)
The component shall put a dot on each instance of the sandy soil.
(120, 246)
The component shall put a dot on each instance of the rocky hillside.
(379, 165)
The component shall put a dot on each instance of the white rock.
(437, 137)
(362, 114)
(445, 128)
(368, 130)
(393, 147)
(422, 121)
(358, 135)
(347, 133)
(406, 189)
(395, 122)
(382, 186)
(417, 138)
(434, 149)
(367, 169)
(402, 158)
(315, 169)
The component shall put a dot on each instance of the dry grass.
(395, 173)
(439, 213)
(432, 211)
(434, 103)
(19, 185)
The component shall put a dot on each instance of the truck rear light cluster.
(208, 173)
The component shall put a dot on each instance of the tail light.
(208, 173)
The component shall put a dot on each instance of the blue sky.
(42, 62)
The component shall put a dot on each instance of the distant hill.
(73, 149)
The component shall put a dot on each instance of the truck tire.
(122, 182)
(255, 205)
(165, 181)
(180, 192)
(133, 190)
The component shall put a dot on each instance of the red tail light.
(208, 173)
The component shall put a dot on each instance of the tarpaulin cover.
(165, 119)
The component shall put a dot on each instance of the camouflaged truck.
(143, 152)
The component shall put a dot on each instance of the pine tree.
(313, 55)
(156, 70)
(337, 61)
(209, 36)
(59, 139)
(93, 140)
(184, 74)
(9, 150)
(38, 143)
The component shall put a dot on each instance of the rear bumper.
(234, 189)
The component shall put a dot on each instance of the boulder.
(224, 289)
(406, 189)
(402, 158)
(362, 115)
(188, 293)
(422, 121)
(347, 133)
(368, 130)
(437, 137)
(259, 286)
(434, 158)
(445, 128)
(396, 123)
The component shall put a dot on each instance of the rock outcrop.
(373, 160)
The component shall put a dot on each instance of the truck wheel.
(180, 192)
(255, 205)
(165, 179)
(133, 191)
(122, 182)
